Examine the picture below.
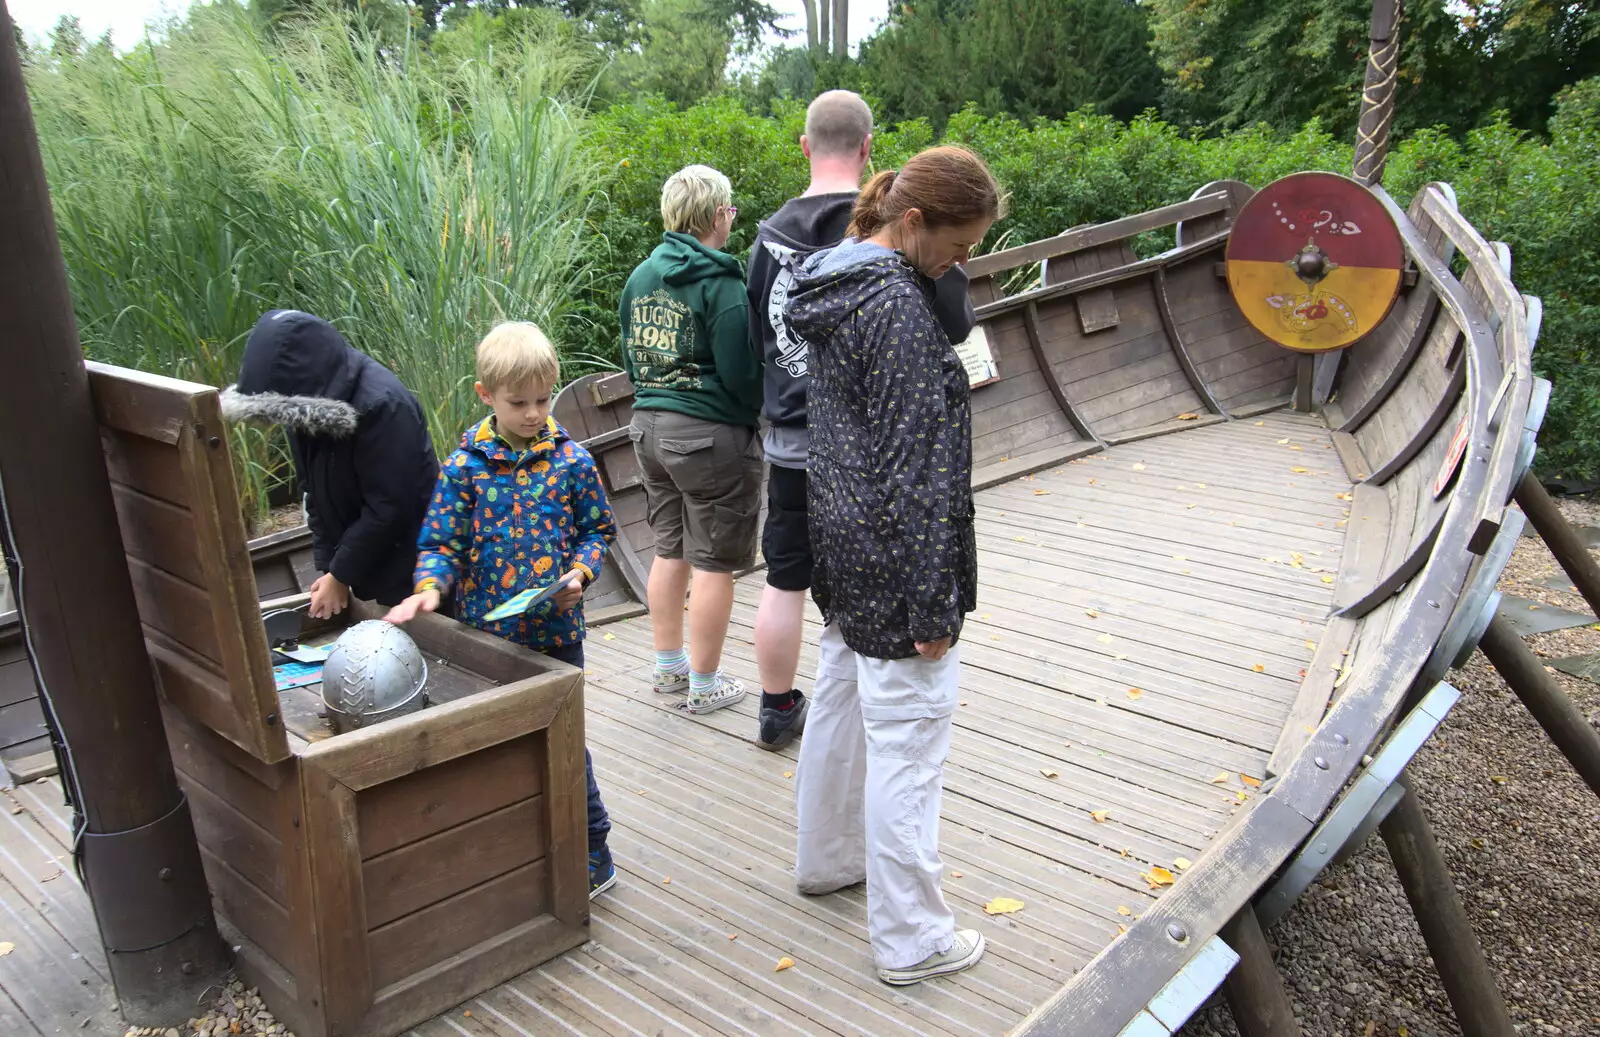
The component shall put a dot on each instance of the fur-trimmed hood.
(298, 372)
(307, 415)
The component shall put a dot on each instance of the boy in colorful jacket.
(518, 505)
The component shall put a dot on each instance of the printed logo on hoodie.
(661, 342)
(792, 349)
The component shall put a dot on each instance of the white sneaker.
(725, 692)
(963, 954)
(670, 682)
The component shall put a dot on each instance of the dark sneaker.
(963, 954)
(602, 875)
(779, 727)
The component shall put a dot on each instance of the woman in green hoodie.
(697, 398)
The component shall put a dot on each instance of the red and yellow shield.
(1314, 261)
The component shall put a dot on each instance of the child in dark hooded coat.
(361, 451)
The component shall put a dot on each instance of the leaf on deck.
(784, 963)
(1002, 906)
(1135, 694)
(1259, 668)
(1254, 783)
(1220, 779)
(1100, 816)
(1298, 470)
(1158, 876)
(1182, 863)
(1125, 912)
(1047, 772)
(1188, 417)
(1138, 467)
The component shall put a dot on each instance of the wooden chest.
(368, 880)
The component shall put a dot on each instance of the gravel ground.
(1521, 835)
(236, 1011)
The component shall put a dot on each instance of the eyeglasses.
(733, 212)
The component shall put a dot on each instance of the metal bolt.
(1433, 604)
(187, 968)
(1322, 848)
(1321, 763)
(165, 874)
(1341, 739)
(272, 720)
(1177, 932)
(214, 442)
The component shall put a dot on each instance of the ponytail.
(948, 185)
(868, 214)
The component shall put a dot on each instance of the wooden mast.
(135, 841)
(1377, 97)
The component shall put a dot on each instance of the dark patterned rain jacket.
(891, 453)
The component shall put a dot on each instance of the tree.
(1024, 57)
(682, 55)
(67, 41)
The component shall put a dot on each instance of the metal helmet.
(374, 673)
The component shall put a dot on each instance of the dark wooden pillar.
(1559, 536)
(1443, 921)
(1560, 717)
(1377, 96)
(1254, 989)
(137, 845)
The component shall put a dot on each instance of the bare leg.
(778, 626)
(669, 583)
(710, 605)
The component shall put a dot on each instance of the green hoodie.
(686, 336)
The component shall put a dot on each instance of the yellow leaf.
(1002, 906)
(1182, 863)
(1041, 493)
(1283, 442)
(1179, 558)
(1327, 579)
(1120, 656)
(1189, 507)
(667, 881)
(1345, 496)
(1220, 779)
(1158, 876)
(1311, 644)
(1260, 423)
(784, 963)
(1135, 694)
(1199, 485)
(1297, 469)
(1187, 417)
(1127, 853)
(1243, 795)
(1498, 779)
(1403, 1032)
(1100, 816)
(7, 948)
(958, 874)
(1254, 783)
(1121, 929)
(788, 774)
(1104, 639)
(1091, 613)
(1344, 675)
(1125, 912)
(1091, 482)
(733, 936)
(1138, 467)
(1259, 668)
(1022, 539)
(1049, 773)
(610, 637)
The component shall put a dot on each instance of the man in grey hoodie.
(838, 144)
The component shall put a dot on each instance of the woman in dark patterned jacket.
(890, 499)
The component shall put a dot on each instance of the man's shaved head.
(837, 124)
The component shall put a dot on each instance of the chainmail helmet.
(374, 673)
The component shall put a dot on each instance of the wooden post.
(1377, 96)
(1454, 947)
(1304, 373)
(1254, 990)
(136, 844)
(1559, 536)
(1578, 741)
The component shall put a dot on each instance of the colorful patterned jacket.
(503, 521)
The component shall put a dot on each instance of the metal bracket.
(147, 885)
(1183, 995)
(1358, 811)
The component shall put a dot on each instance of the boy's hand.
(328, 597)
(406, 611)
(570, 594)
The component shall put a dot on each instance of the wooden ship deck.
(1215, 581)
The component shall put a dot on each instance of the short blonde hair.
(514, 354)
(690, 199)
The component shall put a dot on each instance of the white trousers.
(868, 789)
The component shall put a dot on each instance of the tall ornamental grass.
(413, 202)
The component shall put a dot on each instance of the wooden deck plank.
(49, 980)
(44, 800)
(43, 876)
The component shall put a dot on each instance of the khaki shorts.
(702, 483)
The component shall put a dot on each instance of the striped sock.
(673, 661)
(702, 684)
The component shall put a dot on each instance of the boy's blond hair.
(514, 354)
(690, 199)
